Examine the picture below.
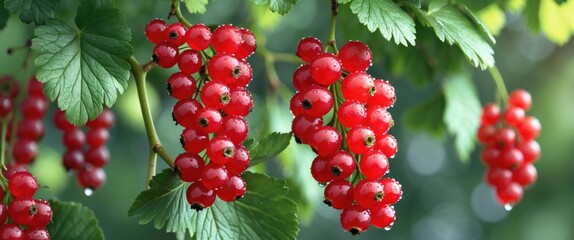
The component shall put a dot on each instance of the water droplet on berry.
(88, 192)
(508, 206)
(322, 185)
(388, 228)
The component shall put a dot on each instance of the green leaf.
(388, 18)
(36, 11)
(263, 213)
(462, 112)
(452, 26)
(427, 116)
(557, 21)
(196, 6)
(344, 1)
(531, 13)
(85, 68)
(475, 4)
(481, 26)
(280, 6)
(493, 18)
(4, 15)
(73, 221)
(268, 147)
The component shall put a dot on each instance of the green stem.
(176, 11)
(3, 148)
(154, 143)
(331, 41)
(499, 81)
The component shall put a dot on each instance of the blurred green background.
(443, 197)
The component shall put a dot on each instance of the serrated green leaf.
(493, 18)
(344, 1)
(268, 147)
(264, 212)
(388, 18)
(72, 221)
(427, 116)
(32, 11)
(462, 112)
(4, 15)
(279, 6)
(475, 4)
(196, 6)
(84, 69)
(451, 26)
(481, 26)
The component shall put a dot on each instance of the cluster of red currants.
(30, 127)
(28, 216)
(510, 147)
(354, 147)
(86, 153)
(213, 123)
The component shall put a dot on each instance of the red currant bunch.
(28, 216)
(86, 152)
(510, 148)
(354, 147)
(212, 101)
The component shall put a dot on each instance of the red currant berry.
(490, 114)
(520, 98)
(185, 111)
(226, 39)
(326, 69)
(36, 234)
(352, 113)
(245, 75)
(325, 141)
(61, 122)
(208, 120)
(73, 160)
(165, 54)
(498, 177)
(248, 44)
(358, 86)
(355, 219)
(491, 156)
(235, 128)
(239, 163)
(104, 120)
(43, 214)
(525, 175)
(295, 104)
(198, 37)
(393, 190)
(215, 94)
(224, 68)
(24, 151)
(529, 128)
(530, 151)
(384, 95)
(233, 190)
(302, 78)
(309, 48)
(74, 139)
(3, 213)
(374, 165)
(35, 89)
(6, 106)
(355, 56)
(199, 197)
(29, 128)
(360, 139)
(97, 157)
(91, 178)
(22, 211)
(303, 126)
(368, 193)
(383, 216)
(316, 101)
(511, 158)
(14, 168)
(176, 34)
(214, 176)
(505, 136)
(189, 61)
(189, 166)
(379, 120)
(194, 141)
(241, 103)
(339, 194)
(11, 231)
(320, 170)
(387, 144)
(97, 137)
(514, 115)
(181, 86)
(486, 134)
(34, 107)
(155, 31)
(220, 150)
(510, 194)
(341, 164)
(22, 185)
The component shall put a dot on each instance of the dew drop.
(388, 228)
(508, 206)
(322, 185)
(88, 192)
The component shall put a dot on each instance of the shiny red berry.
(91, 178)
(189, 166)
(245, 75)
(74, 139)
(24, 151)
(233, 190)
(341, 164)
(43, 214)
(239, 163)
(498, 177)
(61, 122)
(6, 106)
(326, 69)
(374, 164)
(185, 111)
(248, 44)
(355, 219)
(387, 144)
(530, 150)
(181, 86)
(378, 119)
(199, 197)
(520, 98)
(226, 39)
(176, 34)
(514, 115)
(392, 190)
(155, 31)
(355, 56)
(22, 210)
(235, 128)
(97, 137)
(490, 114)
(11, 231)
(511, 158)
(224, 68)
(309, 48)
(34, 107)
(97, 156)
(241, 103)
(369, 193)
(510, 194)
(220, 150)
(30, 128)
(316, 101)
(36, 234)
(23, 185)
(214, 176)
(74, 160)
(215, 94)
(304, 126)
(104, 120)
(302, 78)
(189, 61)
(193, 141)
(198, 37)
(358, 86)
(361, 139)
(208, 120)
(383, 216)
(339, 194)
(165, 54)
(325, 141)
(352, 113)
(525, 175)
(320, 170)
(529, 128)
(384, 94)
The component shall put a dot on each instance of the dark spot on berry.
(370, 140)
(169, 89)
(236, 72)
(203, 122)
(225, 99)
(355, 231)
(298, 140)
(379, 196)
(373, 91)
(155, 58)
(336, 171)
(238, 197)
(197, 207)
(328, 202)
(228, 152)
(173, 35)
(222, 113)
(306, 104)
(173, 118)
(181, 141)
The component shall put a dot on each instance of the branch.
(176, 11)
